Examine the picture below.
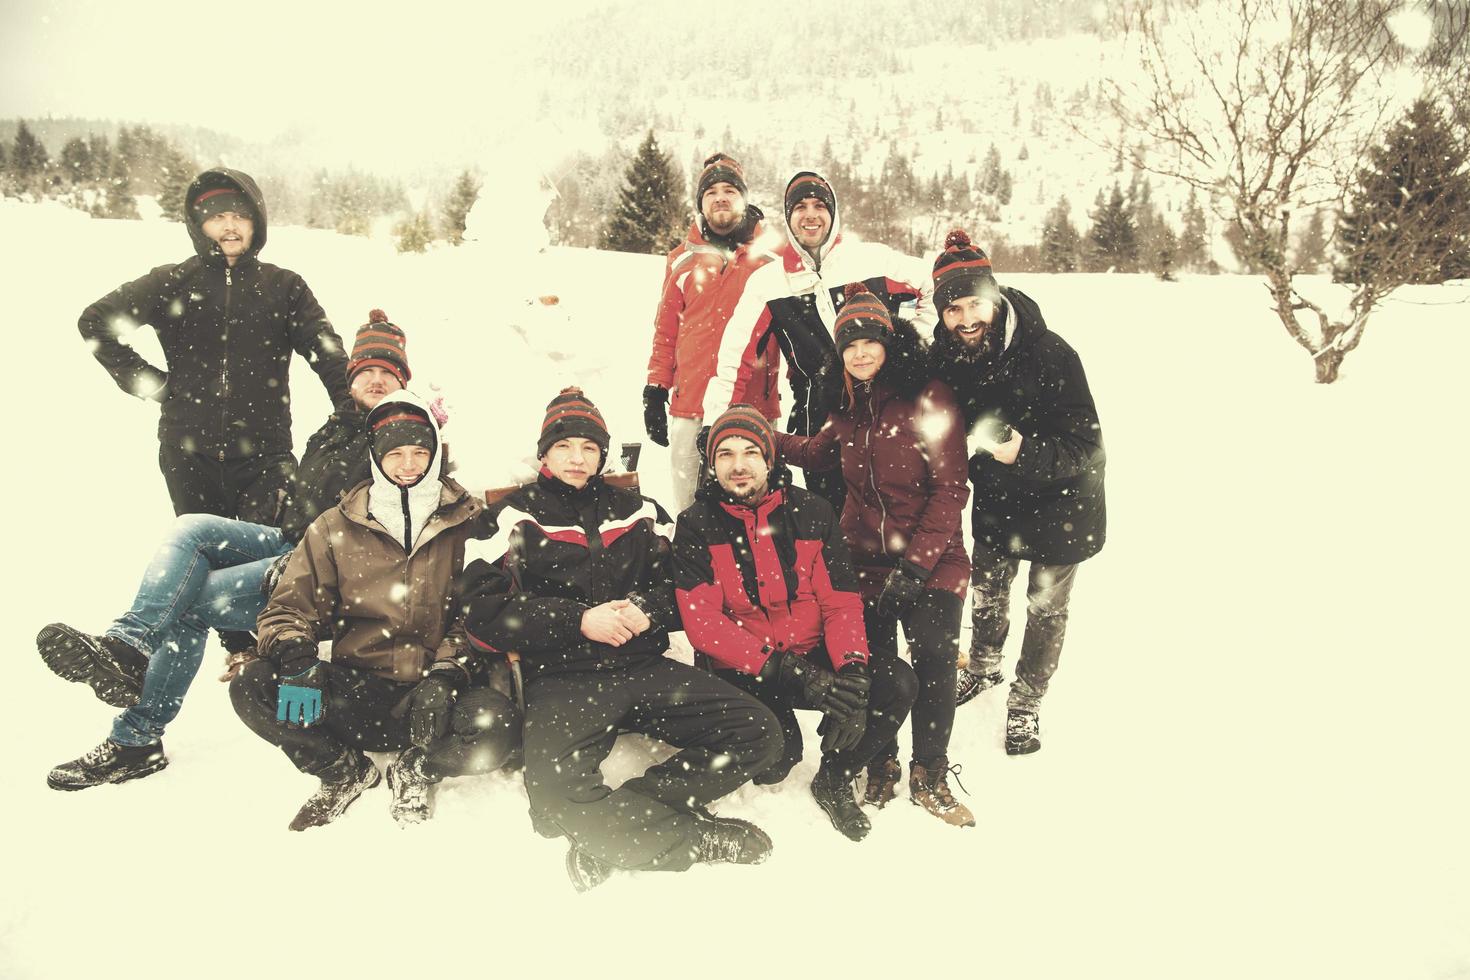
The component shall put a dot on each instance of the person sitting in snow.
(770, 601)
(377, 573)
(703, 278)
(1038, 495)
(574, 576)
(212, 572)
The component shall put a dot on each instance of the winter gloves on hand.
(841, 697)
(431, 702)
(299, 700)
(901, 590)
(656, 414)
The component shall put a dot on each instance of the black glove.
(294, 656)
(900, 591)
(273, 575)
(429, 708)
(841, 734)
(813, 685)
(655, 413)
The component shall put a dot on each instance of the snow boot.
(883, 777)
(347, 779)
(586, 871)
(108, 763)
(969, 686)
(929, 789)
(1023, 732)
(725, 839)
(112, 668)
(833, 793)
(413, 789)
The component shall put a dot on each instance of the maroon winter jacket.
(906, 469)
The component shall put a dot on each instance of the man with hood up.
(703, 278)
(376, 573)
(1038, 494)
(795, 302)
(227, 323)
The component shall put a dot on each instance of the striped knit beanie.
(719, 167)
(862, 317)
(380, 343)
(393, 424)
(571, 415)
(962, 269)
(747, 422)
(807, 184)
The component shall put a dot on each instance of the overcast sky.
(256, 69)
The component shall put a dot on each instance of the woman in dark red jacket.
(900, 440)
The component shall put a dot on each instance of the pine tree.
(176, 173)
(1410, 205)
(415, 232)
(1025, 154)
(1311, 249)
(1165, 252)
(1113, 238)
(118, 201)
(1060, 241)
(462, 198)
(76, 161)
(1194, 246)
(1003, 187)
(28, 158)
(651, 205)
(989, 178)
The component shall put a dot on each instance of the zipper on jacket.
(224, 368)
(873, 469)
(407, 522)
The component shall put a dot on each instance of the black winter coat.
(546, 554)
(1049, 505)
(335, 461)
(227, 336)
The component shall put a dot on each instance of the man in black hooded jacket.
(227, 323)
(1037, 477)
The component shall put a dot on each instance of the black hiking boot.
(833, 793)
(726, 839)
(112, 668)
(337, 793)
(413, 789)
(108, 763)
(1023, 732)
(586, 871)
(969, 686)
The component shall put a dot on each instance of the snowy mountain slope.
(1254, 748)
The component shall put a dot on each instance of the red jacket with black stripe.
(546, 554)
(775, 575)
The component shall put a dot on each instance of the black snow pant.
(485, 725)
(1048, 593)
(932, 627)
(890, 697)
(572, 721)
(247, 489)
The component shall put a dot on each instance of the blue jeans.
(207, 573)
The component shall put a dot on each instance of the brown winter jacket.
(901, 445)
(385, 614)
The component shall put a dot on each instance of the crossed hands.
(614, 622)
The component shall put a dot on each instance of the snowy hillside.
(1254, 748)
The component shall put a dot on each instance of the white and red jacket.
(702, 283)
(775, 575)
(794, 302)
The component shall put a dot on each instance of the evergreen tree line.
(1412, 199)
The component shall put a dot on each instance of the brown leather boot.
(929, 789)
(883, 777)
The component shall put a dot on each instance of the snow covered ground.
(1255, 747)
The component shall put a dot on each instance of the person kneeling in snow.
(573, 575)
(769, 599)
(377, 573)
(212, 572)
